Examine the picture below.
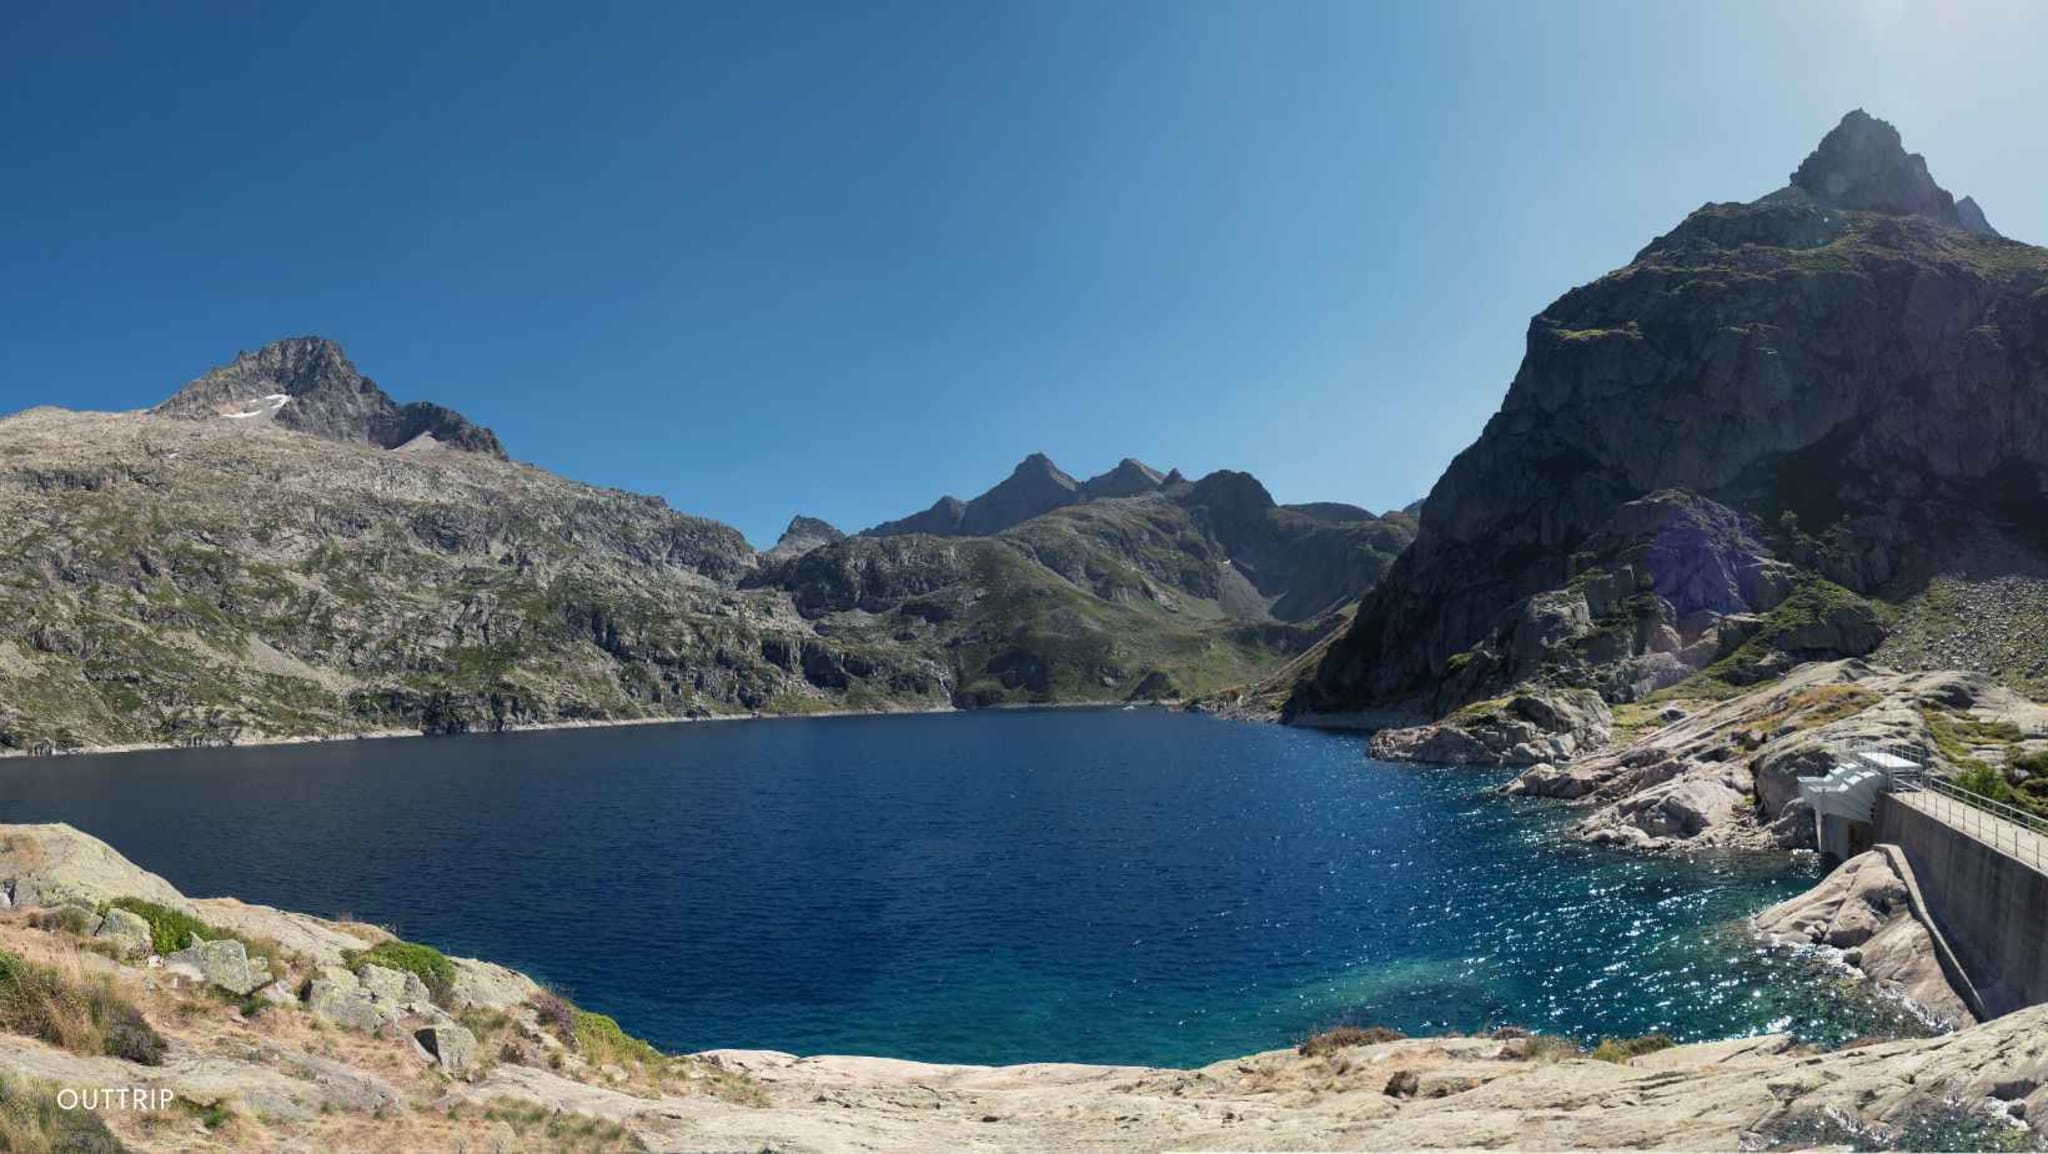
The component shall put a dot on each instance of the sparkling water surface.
(1070, 885)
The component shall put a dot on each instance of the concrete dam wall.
(1992, 908)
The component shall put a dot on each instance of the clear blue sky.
(763, 259)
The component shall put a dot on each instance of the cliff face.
(1854, 368)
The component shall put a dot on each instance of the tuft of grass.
(1620, 1050)
(1343, 1038)
(31, 1122)
(562, 1130)
(431, 965)
(84, 1016)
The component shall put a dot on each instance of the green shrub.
(1622, 1049)
(1985, 782)
(431, 965)
(2034, 764)
(85, 1017)
(601, 1042)
(169, 930)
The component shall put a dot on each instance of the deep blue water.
(1099, 886)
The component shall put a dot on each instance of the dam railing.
(2008, 829)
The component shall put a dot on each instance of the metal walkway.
(2011, 831)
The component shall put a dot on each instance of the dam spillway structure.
(1844, 802)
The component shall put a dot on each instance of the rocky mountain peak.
(1836, 358)
(1038, 466)
(1130, 478)
(803, 535)
(1035, 486)
(1862, 164)
(309, 384)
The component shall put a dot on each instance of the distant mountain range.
(1037, 487)
(281, 549)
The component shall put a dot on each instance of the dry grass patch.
(534, 1122)
(1620, 1050)
(1549, 1048)
(1345, 1037)
(67, 1008)
(1814, 707)
(31, 1122)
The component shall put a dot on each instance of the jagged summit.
(1862, 165)
(1035, 487)
(803, 535)
(309, 384)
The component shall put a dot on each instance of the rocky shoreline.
(607, 723)
(1712, 770)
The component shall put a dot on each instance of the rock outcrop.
(1826, 389)
(1862, 911)
(1533, 727)
(225, 964)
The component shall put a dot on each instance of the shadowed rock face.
(1035, 486)
(1862, 165)
(308, 384)
(1846, 364)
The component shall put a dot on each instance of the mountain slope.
(1719, 455)
(174, 580)
(1177, 592)
(194, 576)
